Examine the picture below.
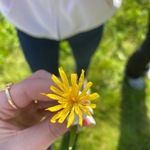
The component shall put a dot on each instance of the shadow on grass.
(134, 126)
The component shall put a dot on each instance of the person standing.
(42, 25)
(137, 64)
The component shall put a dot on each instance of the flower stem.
(73, 132)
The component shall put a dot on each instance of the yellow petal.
(86, 110)
(92, 96)
(84, 92)
(68, 105)
(54, 97)
(88, 104)
(55, 108)
(57, 97)
(64, 78)
(79, 113)
(61, 115)
(43, 94)
(91, 105)
(58, 82)
(81, 79)
(75, 88)
(73, 79)
(71, 118)
(56, 90)
(64, 115)
(55, 117)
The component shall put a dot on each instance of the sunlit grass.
(14, 69)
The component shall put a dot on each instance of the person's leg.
(40, 53)
(139, 60)
(84, 45)
(137, 65)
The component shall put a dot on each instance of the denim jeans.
(42, 53)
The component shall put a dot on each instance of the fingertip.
(89, 121)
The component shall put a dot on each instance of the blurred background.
(122, 113)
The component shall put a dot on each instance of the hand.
(29, 126)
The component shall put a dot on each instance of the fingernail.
(89, 121)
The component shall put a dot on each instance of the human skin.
(29, 126)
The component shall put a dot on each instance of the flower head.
(71, 100)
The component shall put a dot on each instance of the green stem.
(73, 132)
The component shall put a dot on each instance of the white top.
(57, 19)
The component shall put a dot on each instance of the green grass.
(122, 114)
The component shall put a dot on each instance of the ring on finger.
(7, 93)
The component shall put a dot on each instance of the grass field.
(122, 113)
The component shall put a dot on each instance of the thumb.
(40, 136)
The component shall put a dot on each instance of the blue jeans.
(42, 53)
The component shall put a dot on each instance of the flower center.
(73, 99)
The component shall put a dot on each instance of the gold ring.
(7, 93)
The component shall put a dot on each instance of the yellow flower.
(71, 101)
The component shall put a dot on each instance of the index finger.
(24, 92)
(31, 88)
